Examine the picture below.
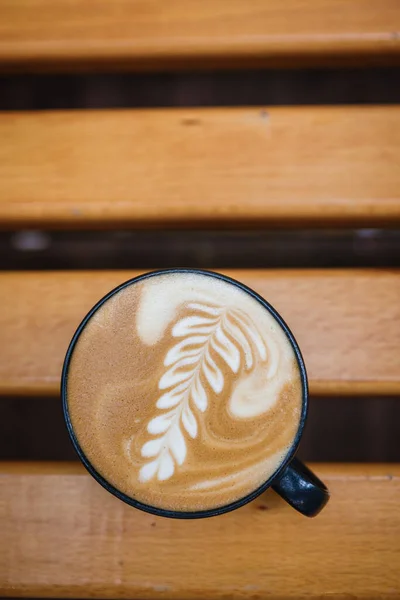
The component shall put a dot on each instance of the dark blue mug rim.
(161, 512)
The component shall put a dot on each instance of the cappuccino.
(184, 392)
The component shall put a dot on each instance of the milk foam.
(221, 394)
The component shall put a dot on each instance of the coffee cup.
(185, 395)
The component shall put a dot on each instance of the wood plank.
(64, 536)
(319, 166)
(40, 34)
(347, 323)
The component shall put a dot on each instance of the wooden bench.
(43, 35)
(61, 534)
(319, 166)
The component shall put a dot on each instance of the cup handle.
(302, 489)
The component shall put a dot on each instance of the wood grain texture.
(64, 536)
(347, 323)
(137, 34)
(190, 168)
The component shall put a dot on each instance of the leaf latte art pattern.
(209, 337)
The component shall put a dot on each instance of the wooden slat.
(139, 34)
(190, 168)
(64, 536)
(347, 323)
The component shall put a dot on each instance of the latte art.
(184, 392)
(232, 338)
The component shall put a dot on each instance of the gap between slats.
(33, 429)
